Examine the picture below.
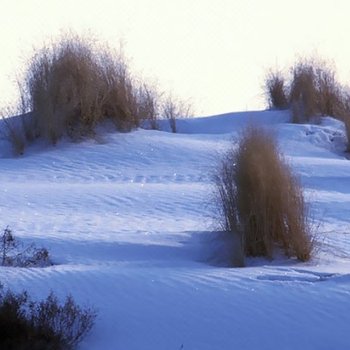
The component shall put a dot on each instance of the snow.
(129, 221)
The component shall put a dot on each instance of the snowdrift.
(129, 222)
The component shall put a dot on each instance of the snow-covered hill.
(128, 219)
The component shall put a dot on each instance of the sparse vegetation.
(29, 325)
(261, 200)
(72, 85)
(303, 92)
(12, 130)
(345, 115)
(312, 90)
(149, 105)
(174, 109)
(13, 253)
(275, 90)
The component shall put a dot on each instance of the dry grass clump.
(315, 90)
(311, 90)
(303, 92)
(260, 198)
(330, 92)
(119, 92)
(29, 325)
(72, 85)
(275, 90)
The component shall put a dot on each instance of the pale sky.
(212, 52)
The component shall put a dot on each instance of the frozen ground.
(128, 219)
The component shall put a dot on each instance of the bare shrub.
(329, 91)
(275, 90)
(344, 114)
(148, 105)
(260, 198)
(13, 253)
(72, 85)
(347, 130)
(12, 130)
(30, 325)
(174, 109)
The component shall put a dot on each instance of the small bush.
(148, 105)
(341, 108)
(261, 199)
(275, 90)
(13, 253)
(12, 130)
(330, 94)
(174, 109)
(347, 130)
(344, 114)
(120, 92)
(30, 325)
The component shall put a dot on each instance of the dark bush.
(12, 129)
(275, 90)
(13, 253)
(174, 109)
(44, 325)
(148, 106)
(344, 114)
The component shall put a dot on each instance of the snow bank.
(128, 219)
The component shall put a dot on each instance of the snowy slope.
(128, 219)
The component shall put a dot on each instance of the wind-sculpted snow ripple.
(129, 225)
